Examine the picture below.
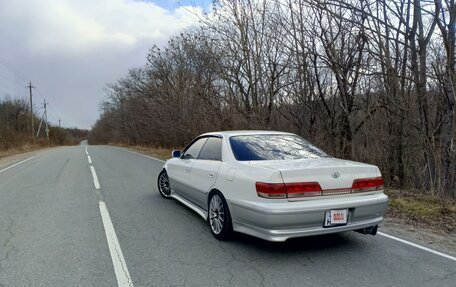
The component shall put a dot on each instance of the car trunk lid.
(335, 176)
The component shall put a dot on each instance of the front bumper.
(281, 221)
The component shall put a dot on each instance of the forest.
(15, 128)
(366, 80)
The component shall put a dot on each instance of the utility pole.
(46, 121)
(59, 124)
(7, 116)
(30, 87)
(39, 127)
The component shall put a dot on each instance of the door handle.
(187, 169)
(211, 174)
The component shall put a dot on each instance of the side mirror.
(176, 153)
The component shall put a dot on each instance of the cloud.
(71, 48)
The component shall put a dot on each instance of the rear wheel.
(219, 217)
(163, 184)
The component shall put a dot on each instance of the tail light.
(271, 190)
(301, 189)
(305, 189)
(368, 184)
(280, 190)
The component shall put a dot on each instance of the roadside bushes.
(15, 128)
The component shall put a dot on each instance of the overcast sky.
(70, 49)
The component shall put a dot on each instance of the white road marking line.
(417, 246)
(96, 183)
(89, 159)
(18, 163)
(87, 152)
(140, 154)
(120, 267)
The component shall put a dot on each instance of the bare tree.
(366, 80)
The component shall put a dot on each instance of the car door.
(179, 168)
(204, 171)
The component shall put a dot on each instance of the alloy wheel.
(216, 214)
(163, 184)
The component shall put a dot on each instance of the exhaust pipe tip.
(372, 230)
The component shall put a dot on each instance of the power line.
(9, 84)
(7, 78)
(52, 110)
(8, 88)
(13, 70)
(21, 76)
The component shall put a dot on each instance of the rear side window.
(212, 150)
(194, 150)
(273, 147)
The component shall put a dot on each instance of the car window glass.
(273, 147)
(193, 150)
(212, 150)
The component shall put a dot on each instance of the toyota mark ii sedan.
(272, 185)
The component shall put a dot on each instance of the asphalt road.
(55, 232)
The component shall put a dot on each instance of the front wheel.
(163, 184)
(219, 217)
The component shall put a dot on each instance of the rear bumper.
(281, 221)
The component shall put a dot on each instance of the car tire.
(163, 185)
(219, 217)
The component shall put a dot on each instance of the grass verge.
(19, 150)
(421, 210)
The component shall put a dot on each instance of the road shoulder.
(439, 240)
(17, 157)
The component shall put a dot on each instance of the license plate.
(336, 217)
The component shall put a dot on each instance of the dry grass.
(18, 150)
(419, 209)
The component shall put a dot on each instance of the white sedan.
(273, 185)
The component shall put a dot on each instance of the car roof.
(244, 132)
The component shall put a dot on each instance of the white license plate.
(336, 217)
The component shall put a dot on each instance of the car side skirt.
(190, 205)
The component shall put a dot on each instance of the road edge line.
(417, 246)
(17, 163)
(138, 153)
(118, 260)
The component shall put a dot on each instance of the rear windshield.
(273, 147)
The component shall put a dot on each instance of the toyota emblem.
(335, 174)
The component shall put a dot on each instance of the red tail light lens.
(305, 189)
(280, 190)
(368, 184)
(300, 189)
(271, 190)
